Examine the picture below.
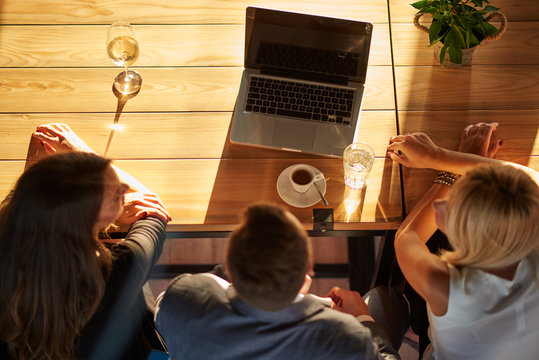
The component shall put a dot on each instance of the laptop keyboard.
(300, 100)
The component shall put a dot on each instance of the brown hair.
(53, 268)
(268, 256)
(492, 218)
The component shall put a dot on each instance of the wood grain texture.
(176, 12)
(16, 131)
(210, 191)
(205, 135)
(9, 173)
(163, 89)
(160, 45)
(518, 45)
(521, 10)
(469, 88)
(519, 129)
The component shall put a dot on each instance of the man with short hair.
(261, 313)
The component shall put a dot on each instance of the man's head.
(268, 256)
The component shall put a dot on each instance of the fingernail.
(500, 142)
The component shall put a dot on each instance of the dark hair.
(268, 257)
(53, 267)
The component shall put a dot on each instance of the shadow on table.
(122, 100)
(248, 174)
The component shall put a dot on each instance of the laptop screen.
(321, 46)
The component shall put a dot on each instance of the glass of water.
(358, 159)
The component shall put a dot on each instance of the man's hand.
(347, 301)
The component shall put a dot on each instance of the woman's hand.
(59, 137)
(415, 150)
(347, 301)
(138, 205)
(477, 139)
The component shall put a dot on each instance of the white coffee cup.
(302, 176)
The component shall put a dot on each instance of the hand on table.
(348, 301)
(415, 150)
(477, 139)
(138, 205)
(59, 137)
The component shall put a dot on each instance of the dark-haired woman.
(63, 294)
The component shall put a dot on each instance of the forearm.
(146, 238)
(421, 219)
(459, 163)
(425, 272)
(134, 184)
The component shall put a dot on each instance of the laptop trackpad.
(294, 134)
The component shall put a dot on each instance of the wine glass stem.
(125, 71)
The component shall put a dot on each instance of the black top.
(120, 328)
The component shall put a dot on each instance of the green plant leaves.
(420, 4)
(443, 51)
(455, 55)
(490, 8)
(457, 24)
(434, 32)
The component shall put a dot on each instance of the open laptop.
(302, 86)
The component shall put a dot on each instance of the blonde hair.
(493, 217)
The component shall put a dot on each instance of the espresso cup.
(302, 176)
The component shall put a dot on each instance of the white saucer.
(294, 198)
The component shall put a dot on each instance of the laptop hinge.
(305, 75)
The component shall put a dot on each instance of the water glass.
(358, 159)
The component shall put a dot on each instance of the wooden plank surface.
(519, 129)
(518, 45)
(176, 12)
(163, 89)
(17, 129)
(213, 191)
(500, 84)
(160, 45)
(502, 87)
(205, 135)
(516, 10)
(168, 135)
(174, 133)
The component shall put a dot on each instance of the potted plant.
(458, 27)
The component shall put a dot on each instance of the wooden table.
(501, 84)
(54, 68)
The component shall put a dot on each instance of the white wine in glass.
(123, 49)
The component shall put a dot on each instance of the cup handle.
(318, 176)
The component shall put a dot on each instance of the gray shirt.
(200, 318)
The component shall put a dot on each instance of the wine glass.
(123, 49)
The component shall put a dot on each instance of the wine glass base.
(128, 84)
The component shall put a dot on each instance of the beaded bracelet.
(445, 178)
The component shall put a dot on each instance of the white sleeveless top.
(489, 317)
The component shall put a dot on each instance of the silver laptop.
(303, 82)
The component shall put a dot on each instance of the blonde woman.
(482, 296)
